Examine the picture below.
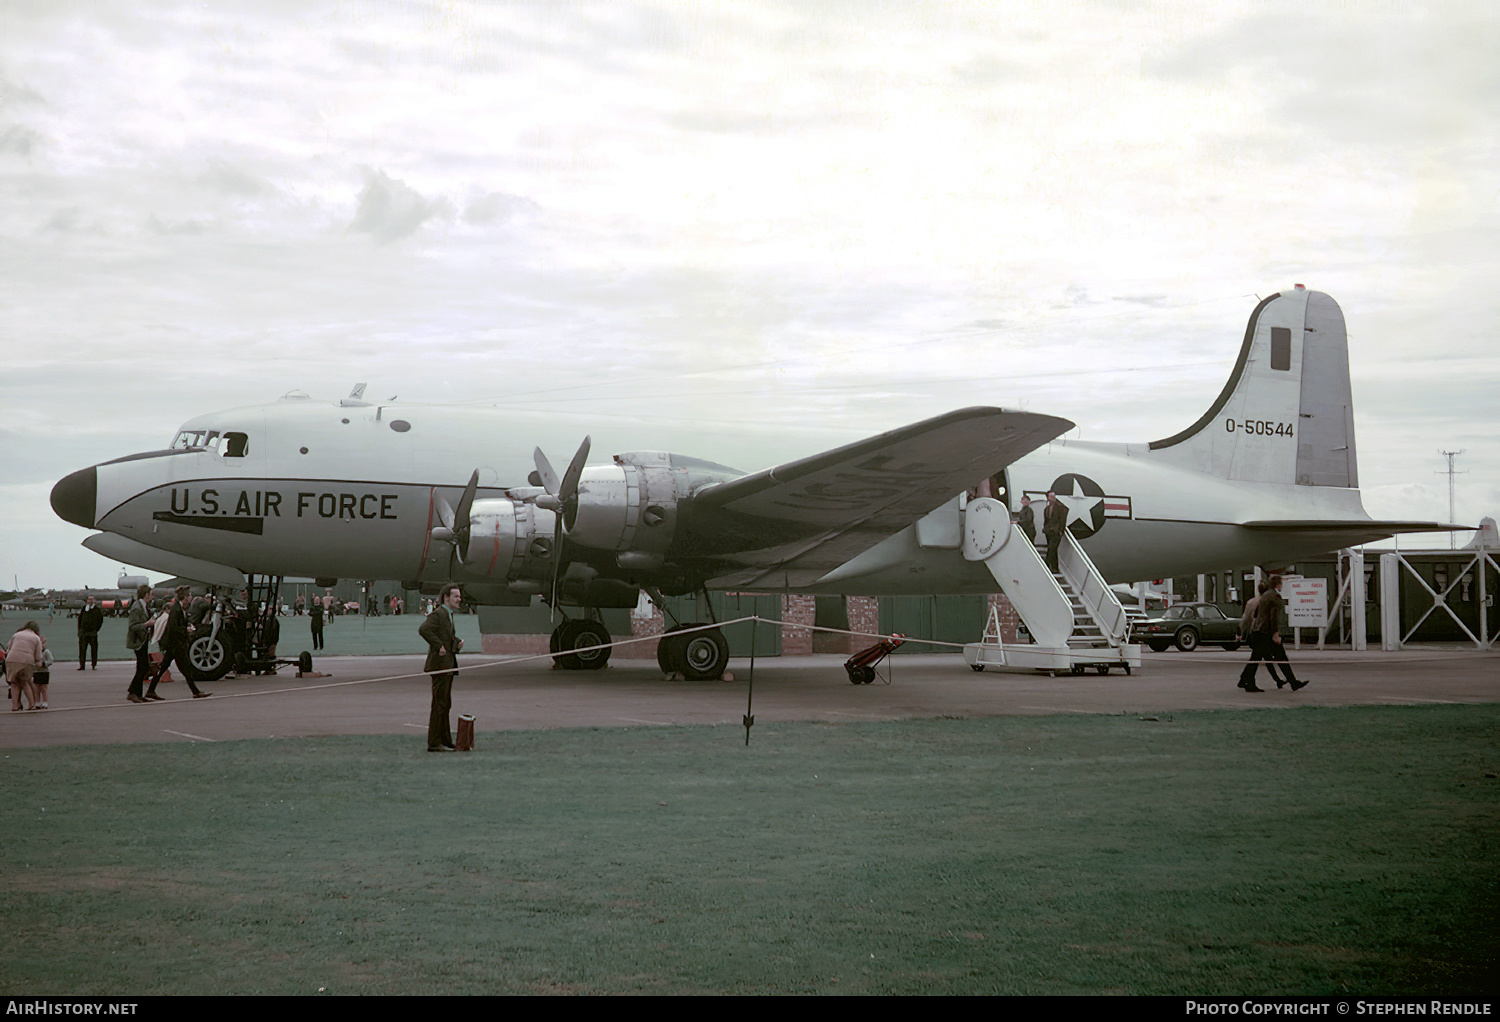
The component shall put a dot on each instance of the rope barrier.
(754, 619)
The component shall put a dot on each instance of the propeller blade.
(445, 514)
(545, 470)
(568, 490)
(465, 505)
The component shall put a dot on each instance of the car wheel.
(1187, 640)
(1158, 647)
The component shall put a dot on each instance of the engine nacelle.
(629, 507)
(508, 540)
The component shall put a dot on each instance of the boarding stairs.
(1074, 619)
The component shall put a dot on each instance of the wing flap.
(800, 520)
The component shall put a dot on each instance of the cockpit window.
(188, 439)
(227, 444)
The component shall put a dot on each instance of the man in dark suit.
(317, 623)
(1054, 524)
(90, 620)
(1027, 520)
(443, 645)
(174, 645)
(1265, 640)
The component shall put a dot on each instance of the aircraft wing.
(792, 524)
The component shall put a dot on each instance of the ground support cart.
(1053, 660)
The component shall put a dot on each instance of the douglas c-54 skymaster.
(367, 490)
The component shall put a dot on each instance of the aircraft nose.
(74, 496)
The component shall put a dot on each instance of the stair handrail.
(1093, 592)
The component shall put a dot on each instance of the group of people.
(1260, 627)
(27, 668)
(171, 628)
(1054, 524)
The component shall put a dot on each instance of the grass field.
(1316, 851)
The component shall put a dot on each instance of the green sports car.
(1188, 626)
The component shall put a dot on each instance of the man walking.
(443, 645)
(1265, 640)
(138, 640)
(1247, 629)
(90, 620)
(174, 645)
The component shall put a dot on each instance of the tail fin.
(1286, 415)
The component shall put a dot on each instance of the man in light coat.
(138, 641)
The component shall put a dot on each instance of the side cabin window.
(236, 445)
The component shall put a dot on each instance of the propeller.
(562, 494)
(455, 527)
(562, 497)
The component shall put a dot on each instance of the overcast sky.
(805, 222)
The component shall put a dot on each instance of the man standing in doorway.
(443, 644)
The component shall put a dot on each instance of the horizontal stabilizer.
(1355, 530)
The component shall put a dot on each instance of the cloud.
(390, 210)
(19, 140)
(227, 179)
(496, 207)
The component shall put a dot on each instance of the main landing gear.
(578, 634)
(697, 656)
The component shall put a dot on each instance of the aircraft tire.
(1187, 640)
(576, 633)
(210, 657)
(669, 652)
(704, 656)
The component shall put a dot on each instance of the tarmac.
(387, 694)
